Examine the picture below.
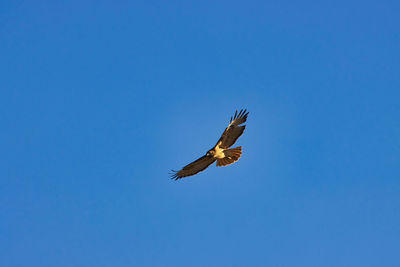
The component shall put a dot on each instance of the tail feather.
(231, 155)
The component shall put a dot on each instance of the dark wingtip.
(243, 113)
(174, 175)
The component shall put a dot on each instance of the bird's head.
(210, 153)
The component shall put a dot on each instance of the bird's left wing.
(194, 167)
(234, 130)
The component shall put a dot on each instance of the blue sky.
(100, 99)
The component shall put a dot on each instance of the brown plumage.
(220, 152)
(231, 155)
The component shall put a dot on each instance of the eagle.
(221, 152)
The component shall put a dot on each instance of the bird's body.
(221, 152)
(218, 152)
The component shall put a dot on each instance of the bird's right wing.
(194, 167)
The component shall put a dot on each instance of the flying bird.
(221, 152)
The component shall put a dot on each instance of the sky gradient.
(99, 100)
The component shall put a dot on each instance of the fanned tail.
(231, 155)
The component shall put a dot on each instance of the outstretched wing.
(194, 167)
(234, 130)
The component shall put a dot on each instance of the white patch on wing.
(219, 152)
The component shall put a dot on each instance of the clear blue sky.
(100, 99)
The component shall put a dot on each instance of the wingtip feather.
(174, 175)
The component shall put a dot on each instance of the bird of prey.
(221, 152)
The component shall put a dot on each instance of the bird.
(221, 152)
